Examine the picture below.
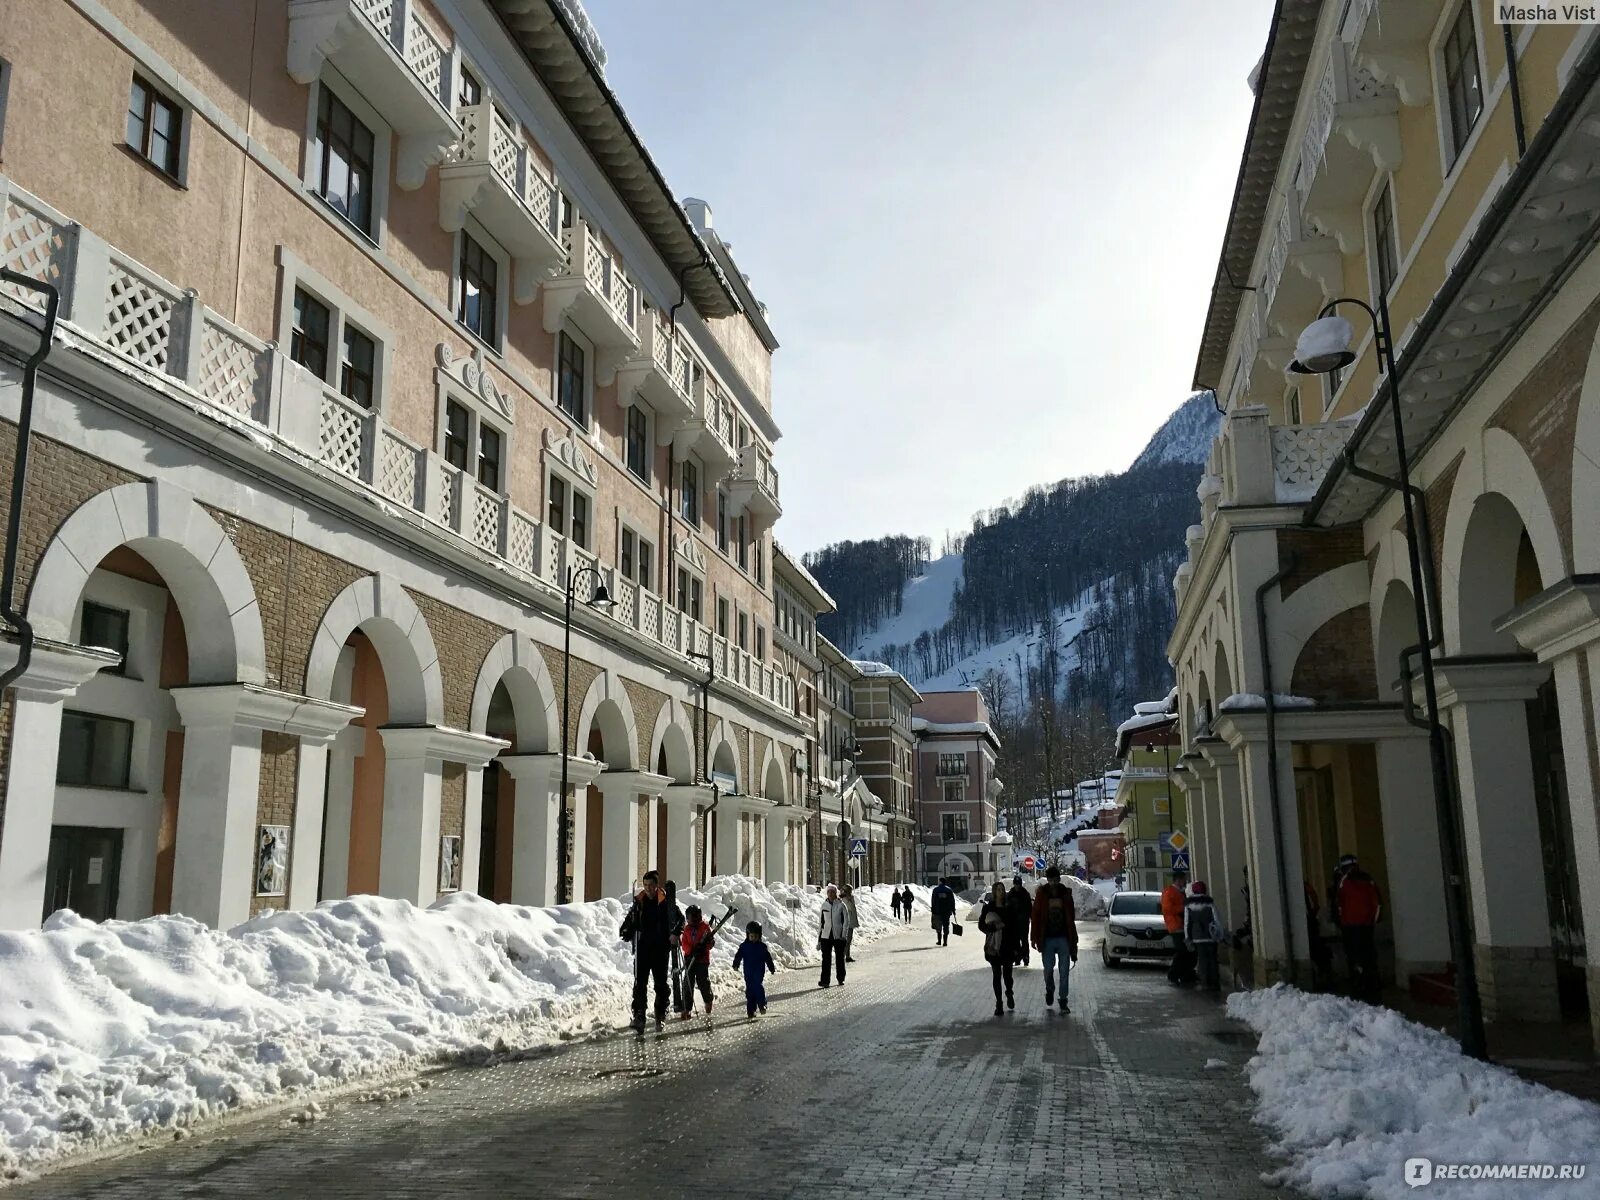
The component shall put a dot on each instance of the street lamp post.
(1324, 347)
(600, 600)
(705, 751)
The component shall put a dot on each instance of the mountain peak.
(1186, 435)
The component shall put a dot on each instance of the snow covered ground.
(1353, 1092)
(112, 1031)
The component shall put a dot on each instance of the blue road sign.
(1180, 860)
(858, 847)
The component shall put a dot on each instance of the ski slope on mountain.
(924, 606)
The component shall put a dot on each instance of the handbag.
(955, 928)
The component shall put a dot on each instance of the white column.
(619, 834)
(1415, 901)
(322, 726)
(1486, 704)
(726, 861)
(340, 789)
(537, 781)
(1229, 861)
(471, 829)
(777, 848)
(578, 833)
(408, 861)
(54, 674)
(213, 861)
(1274, 881)
(681, 800)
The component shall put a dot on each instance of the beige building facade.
(1414, 153)
(379, 328)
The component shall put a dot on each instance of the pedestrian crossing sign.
(858, 847)
(1180, 860)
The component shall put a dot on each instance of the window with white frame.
(953, 826)
(722, 616)
(473, 441)
(1461, 79)
(469, 89)
(1385, 242)
(636, 441)
(761, 643)
(636, 557)
(568, 509)
(743, 625)
(573, 355)
(689, 492)
(331, 337)
(691, 593)
(343, 161)
(480, 277)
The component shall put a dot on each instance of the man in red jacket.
(1357, 906)
(1173, 898)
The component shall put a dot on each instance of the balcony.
(1389, 39)
(199, 366)
(1303, 267)
(492, 176)
(391, 55)
(592, 286)
(753, 484)
(659, 373)
(1256, 463)
(710, 431)
(1352, 130)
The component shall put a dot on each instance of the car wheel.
(1106, 958)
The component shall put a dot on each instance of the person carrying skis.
(674, 933)
(646, 926)
(756, 961)
(696, 941)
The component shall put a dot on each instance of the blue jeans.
(1056, 950)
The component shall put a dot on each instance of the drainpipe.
(1516, 90)
(19, 474)
(1272, 762)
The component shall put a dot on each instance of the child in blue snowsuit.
(756, 960)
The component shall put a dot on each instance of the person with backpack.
(1357, 908)
(943, 903)
(647, 926)
(696, 940)
(756, 960)
(1181, 970)
(906, 900)
(833, 936)
(674, 933)
(999, 944)
(1019, 911)
(894, 902)
(1055, 933)
(1202, 933)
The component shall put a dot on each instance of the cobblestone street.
(902, 1084)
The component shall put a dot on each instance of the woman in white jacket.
(833, 936)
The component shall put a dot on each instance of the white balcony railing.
(592, 283)
(156, 329)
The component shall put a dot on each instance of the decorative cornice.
(473, 375)
(1560, 620)
(569, 453)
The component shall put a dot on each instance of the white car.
(1135, 929)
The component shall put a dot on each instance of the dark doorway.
(1560, 863)
(82, 871)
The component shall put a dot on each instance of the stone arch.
(1309, 610)
(1586, 470)
(196, 559)
(516, 662)
(1497, 499)
(724, 755)
(1221, 675)
(1395, 630)
(774, 784)
(383, 610)
(608, 711)
(671, 745)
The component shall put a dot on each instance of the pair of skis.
(680, 981)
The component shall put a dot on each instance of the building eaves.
(797, 571)
(553, 48)
(1290, 38)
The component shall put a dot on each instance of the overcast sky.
(984, 233)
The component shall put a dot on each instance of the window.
(1385, 241)
(155, 127)
(570, 381)
(954, 827)
(477, 300)
(95, 751)
(722, 520)
(557, 516)
(468, 91)
(308, 337)
(5, 92)
(489, 441)
(954, 791)
(760, 549)
(689, 489)
(952, 764)
(637, 450)
(690, 592)
(341, 157)
(1150, 858)
(722, 616)
(1463, 84)
(107, 628)
(457, 433)
(761, 644)
(635, 557)
(580, 518)
(744, 631)
(1291, 405)
(1331, 381)
(742, 533)
(356, 366)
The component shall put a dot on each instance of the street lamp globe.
(602, 597)
(1324, 346)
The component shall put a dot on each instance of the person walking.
(1357, 908)
(1202, 933)
(1019, 907)
(943, 904)
(998, 926)
(1321, 955)
(848, 895)
(674, 933)
(646, 926)
(697, 941)
(1181, 970)
(1055, 934)
(833, 936)
(894, 902)
(906, 900)
(756, 961)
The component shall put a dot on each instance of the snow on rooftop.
(1249, 700)
(922, 725)
(873, 669)
(588, 35)
(1145, 721)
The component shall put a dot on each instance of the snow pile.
(1353, 1091)
(109, 1031)
(1244, 701)
(588, 36)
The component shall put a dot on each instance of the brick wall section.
(1542, 414)
(642, 852)
(1436, 502)
(758, 755)
(1336, 662)
(647, 703)
(741, 741)
(1316, 552)
(583, 676)
(453, 799)
(463, 641)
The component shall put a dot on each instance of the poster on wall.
(449, 863)
(272, 860)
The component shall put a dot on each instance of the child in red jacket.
(696, 941)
